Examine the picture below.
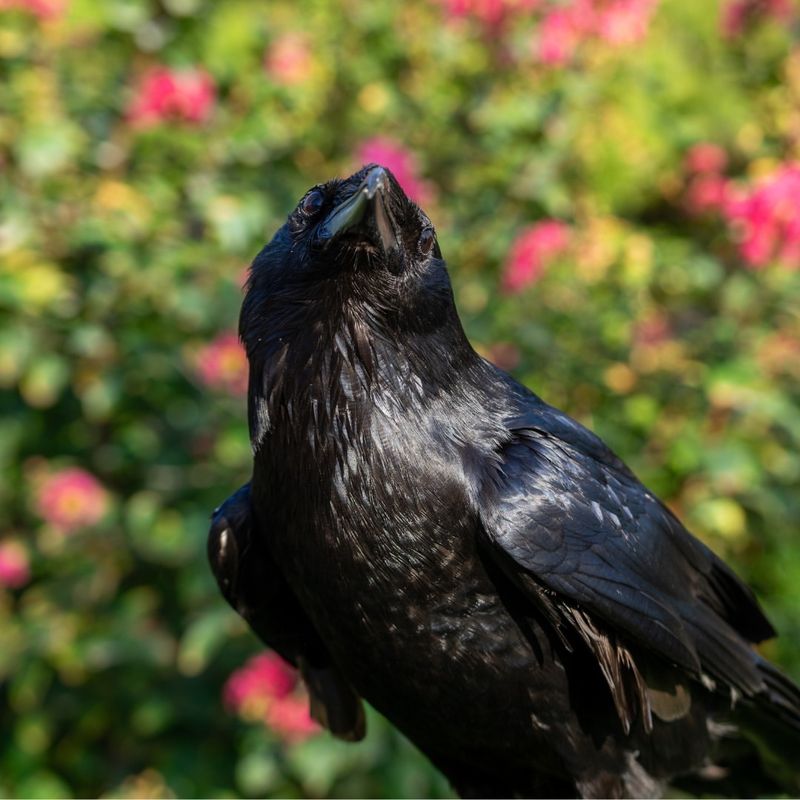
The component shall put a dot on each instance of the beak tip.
(375, 181)
(350, 212)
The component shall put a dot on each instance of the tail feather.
(782, 696)
(771, 721)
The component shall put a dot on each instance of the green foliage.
(123, 246)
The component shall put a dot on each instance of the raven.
(424, 532)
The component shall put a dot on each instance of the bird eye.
(426, 240)
(312, 202)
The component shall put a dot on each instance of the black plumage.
(424, 532)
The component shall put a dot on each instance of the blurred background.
(615, 185)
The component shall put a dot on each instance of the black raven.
(424, 532)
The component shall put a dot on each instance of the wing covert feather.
(566, 512)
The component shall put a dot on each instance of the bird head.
(350, 244)
(367, 221)
(350, 295)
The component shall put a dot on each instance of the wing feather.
(567, 513)
(256, 588)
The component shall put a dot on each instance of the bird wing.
(573, 527)
(257, 590)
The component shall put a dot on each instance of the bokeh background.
(616, 186)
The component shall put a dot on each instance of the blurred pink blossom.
(532, 251)
(71, 499)
(163, 93)
(15, 568)
(707, 189)
(288, 60)
(706, 193)
(222, 364)
(565, 26)
(705, 157)
(266, 688)
(560, 32)
(265, 676)
(43, 9)
(289, 718)
(764, 218)
(738, 15)
(490, 13)
(622, 22)
(401, 162)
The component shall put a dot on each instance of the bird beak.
(368, 204)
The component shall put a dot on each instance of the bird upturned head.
(353, 244)
(365, 222)
(350, 298)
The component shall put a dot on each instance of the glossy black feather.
(480, 567)
(578, 521)
(254, 586)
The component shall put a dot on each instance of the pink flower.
(738, 15)
(401, 162)
(264, 677)
(288, 60)
(163, 93)
(705, 193)
(560, 32)
(15, 568)
(489, 13)
(266, 688)
(623, 22)
(764, 220)
(71, 499)
(566, 26)
(706, 157)
(222, 364)
(536, 247)
(289, 718)
(43, 9)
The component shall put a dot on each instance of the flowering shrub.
(71, 499)
(533, 249)
(705, 158)
(43, 9)
(559, 28)
(266, 688)
(263, 678)
(163, 94)
(565, 26)
(490, 13)
(289, 60)
(222, 364)
(15, 569)
(739, 15)
(764, 218)
(402, 163)
(615, 186)
(706, 187)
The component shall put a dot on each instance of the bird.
(426, 534)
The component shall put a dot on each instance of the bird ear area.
(223, 556)
(228, 538)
